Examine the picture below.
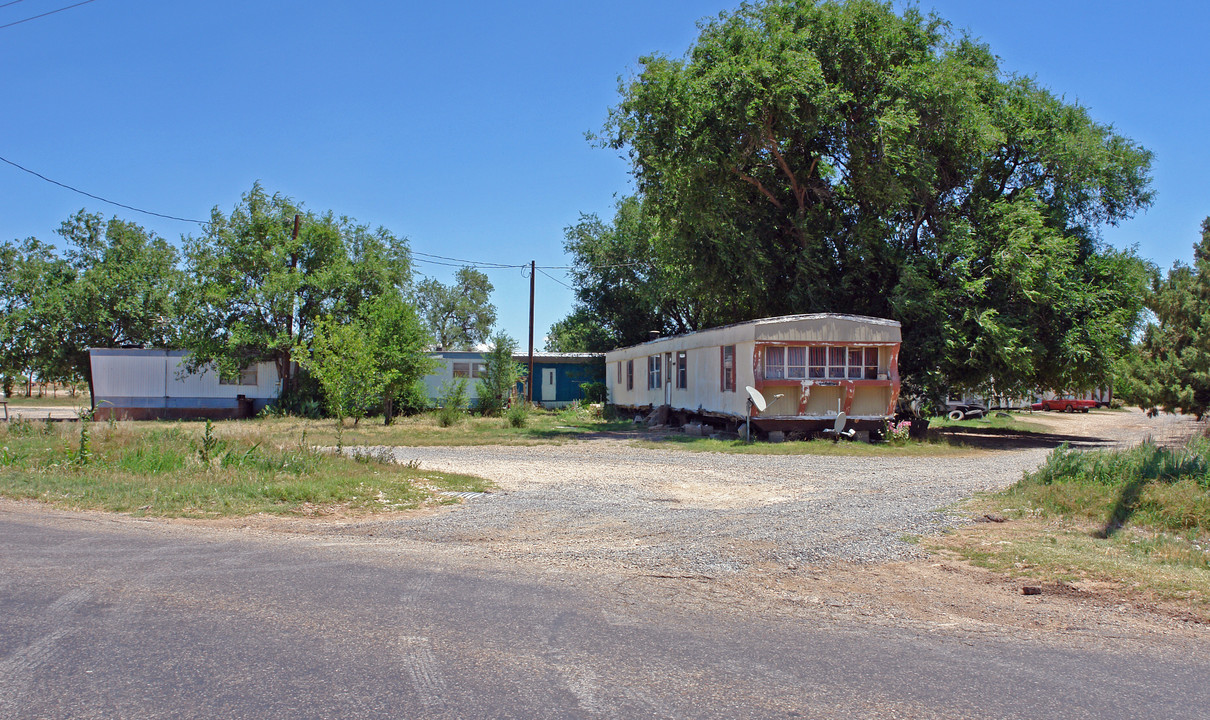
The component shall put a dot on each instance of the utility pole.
(533, 266)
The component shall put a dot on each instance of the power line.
(462, 264)
(555, 280)
(421, 257)
(98, 197)
(475, 263)
(14, 2)
(593, 267)
(35, 17)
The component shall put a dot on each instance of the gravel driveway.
(683, 513)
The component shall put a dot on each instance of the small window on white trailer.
(653, 372)
(817, 368)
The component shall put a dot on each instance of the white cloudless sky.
(462, 126)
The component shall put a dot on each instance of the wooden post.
(529, 384)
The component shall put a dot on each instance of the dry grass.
(172, 469)
(1138, 564)
(1134, 521)
(541, 427)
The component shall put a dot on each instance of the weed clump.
(518, 415)
(1160, 488)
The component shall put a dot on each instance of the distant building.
(467, 364)
(809, 368)
(150, 384)
(559, 375)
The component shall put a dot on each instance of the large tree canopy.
(115, 285)
(36, 288)
(126, 289)
(256, 289)
(459, 315)
(836, 156)
(1171, 370)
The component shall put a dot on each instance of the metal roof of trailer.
(781, 319)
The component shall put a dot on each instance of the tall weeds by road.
(186, 469)
(1155, 487)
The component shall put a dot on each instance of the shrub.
(518, 415)
(594, 392)
(413, 400)
(500, 375)
(899, 432)
(453, 402)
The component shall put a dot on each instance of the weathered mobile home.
(145, 384)
(808, 367)
(453, 364)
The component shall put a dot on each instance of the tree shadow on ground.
(1123, 509)
(1005, 439)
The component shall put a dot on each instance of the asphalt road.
(116, 618)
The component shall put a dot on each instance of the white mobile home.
(453, 364)
(808, 367)
(148, 384)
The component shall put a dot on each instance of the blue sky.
(461, 126)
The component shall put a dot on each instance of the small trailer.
(809, 368)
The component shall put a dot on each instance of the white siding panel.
(161, 374)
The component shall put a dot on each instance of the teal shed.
(558, 376)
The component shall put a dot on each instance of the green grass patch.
(62, 400)
(1151, 487)
(1136, 520)
(170, 470)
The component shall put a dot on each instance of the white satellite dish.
(757, 399)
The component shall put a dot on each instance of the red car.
(1066, 405)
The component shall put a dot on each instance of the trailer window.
(630, 374)
(856, 364)
(682, 372)
(247, 376)
(836, 362)
(775, 363)
(653, 372)
(817, 367)
(871, 363)
(796, 363)
(728, 367)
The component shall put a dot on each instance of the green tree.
(256, 289)
(581, 331)
(343, 358)
(817, 156)
(35, 304)
(459, 315)
(1171, 371)
(400, 344)
(125, 290)
(627, 283)
(500, 374)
